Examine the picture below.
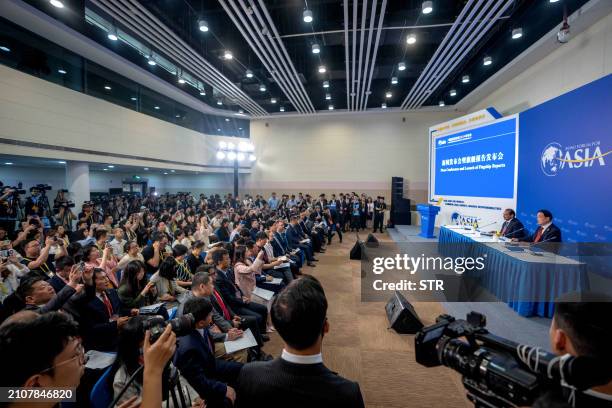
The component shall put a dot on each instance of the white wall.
(584, 59)
(343, 153)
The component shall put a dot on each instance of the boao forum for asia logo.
(556, 158)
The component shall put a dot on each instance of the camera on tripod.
(181, 325)
(498, 372)
(16, 190)
(41, 187)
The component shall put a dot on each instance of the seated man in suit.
(231, 294)
(546, 231)
(294, 236)
(512, 227)
(101, 316)
(195, 358)
(298, 378)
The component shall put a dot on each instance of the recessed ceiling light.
(240, 112)
(441, 103)
(328, 96)
(401, 66)
(105, 169)
(112, 34)
(107, 87)
(177, 115)
(181, 80)
(273, 100)
(239, 128)
(218, 129)
(517, 33)
(9, 163)
(228, 55)
(62, 71)
(554, 1)
(394, 80)
(388, 94)
(330, 107)
(316, 49)
(203, 25)
(156, 107)
(427, 7)
(322, 69)
(151, 60)
(219, 102)
(146, 169)
(384, 106)
(487, 61)
(165, 173)
(325, 84)
(249, 73)
(5, 48)
(110, 166)
(227, 119)
(282, 108)
(61, 162)
(202, 92)
(57, 3)
(172, 171)
(411, 39)
(465, 79)
(262, 88)
(453, 92)
(307, 16)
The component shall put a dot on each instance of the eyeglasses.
(79, 354)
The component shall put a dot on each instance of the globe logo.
(550, 159)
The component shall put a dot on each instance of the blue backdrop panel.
(565, 165)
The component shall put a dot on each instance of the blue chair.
(101, 394)
(172, 313)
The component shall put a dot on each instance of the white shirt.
(546, 226)
(296, 359)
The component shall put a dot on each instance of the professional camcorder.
(65, 204)
(498, 372)
(16, 190)
(41, 187)
(180, 325)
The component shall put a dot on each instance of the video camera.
(498, 372)
(65, 204)
(41, 187)
(16, 190)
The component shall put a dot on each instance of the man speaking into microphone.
(512, 227)
(546, 231)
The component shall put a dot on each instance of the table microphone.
(520, 229)
(491, 223)
(534, 244)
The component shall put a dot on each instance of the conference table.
(527, 282)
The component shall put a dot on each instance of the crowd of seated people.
(128, 258)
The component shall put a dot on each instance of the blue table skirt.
(515, 281)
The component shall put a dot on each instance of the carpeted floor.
(360, 347)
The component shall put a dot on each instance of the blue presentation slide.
(477, 162)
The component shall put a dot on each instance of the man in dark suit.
(231, 293)
(101, 316)
(546, 231)
(195, 358)
(294, 236)
(512, 227)
(298, 378)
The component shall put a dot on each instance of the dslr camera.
(180, 325)
(498, 372)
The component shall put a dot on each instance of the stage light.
(411, 39)
(517, 33)
(487, 61)
(203, 25)
(453, 92)
(325, 84)
(465, 79)
(427, 7)
(322, 69)
(231, 155)
(401, 66)
(394, 80)
(441, 103)
(307, 16)
(57, 3)
(328, 96)
(228, 55)
(316, 49)
(249, 73)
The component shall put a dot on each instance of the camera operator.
(581, 326)
(10, 207)
(34, 204)
(63, 213)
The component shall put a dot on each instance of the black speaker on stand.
(400, 206)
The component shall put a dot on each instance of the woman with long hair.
(134, 291)
(165, 281)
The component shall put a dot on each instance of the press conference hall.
(305, 203)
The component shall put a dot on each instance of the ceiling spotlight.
(316, 49)
(202, 92)
(282, 108)
(107, 170)
(325, 84)
(330, 107)
(61, 162)
(151, 59)
(249, 73)
(227, 119)
(146, 169)
(231, 155)
(9, 163)
(384, 106)
(401, 66)
(262, 88)
(222, 145)
(411, 39)
(388, 94)
(5, 48)
(394, 80)
(133, 98)
(228, 55)
(307, 16)
(62, 71)
(487, 61)
(165, 173)
(107, 87)
(465, 79)
(240, 112)
(57, 3)
(322, 69)
(156, 107)
(181, 80)
(273, 100)
(328, 96)
(427, 7)
(441, 103)
(219, 102)
(517, 33)
(112, 34)
(252, 157)
(172, 171)
(203, 25)
(554, 1)
(453, 92)
(110, 166)
(240, 157)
